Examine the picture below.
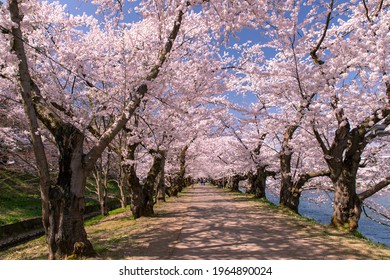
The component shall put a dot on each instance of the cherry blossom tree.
(352, 64)
(322, 84)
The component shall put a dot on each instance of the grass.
(100, 248)
(95, 220)
(20, 196)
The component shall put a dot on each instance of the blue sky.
(80, 6)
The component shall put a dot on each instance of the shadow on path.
(220, 227)
(210, 223)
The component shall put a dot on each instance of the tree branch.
(374, 189)
(324, 148)
(140, 92)
(367, 12)
(313, 53)
(303, 178)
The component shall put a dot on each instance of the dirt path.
(219, 225)
(210, 223)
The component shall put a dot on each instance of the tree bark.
(101, 193)
(161, 187)
(142, 195)
(233, 182)
(150, 182)
(346, 205)
(133, 183)
(258, 182)
(289, 195)
(24, 80)
(291, 189)
(121, 184)
(67, 233)
(179, 182)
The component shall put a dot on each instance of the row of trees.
(150, 99)
(321, 105)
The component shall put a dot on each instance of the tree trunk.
(142, 196)
(258, 182)
(66, 234)
(104, 190)
(136, 193)
(346, 205)
(123, 199)
(102, 193)
(134, 186)
(121, 183)
(233, 182)
(63, 204)
(343, 159)
(289, 195)
(101, 190)
(172, 190)
(181, 182)
(161, 180)
(150, 182)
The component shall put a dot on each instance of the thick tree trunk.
(259, 181)
(142, 196)
(343, 159)
(150, 182)
(66, 234)
(179, 182)
(233, 182)
(63, 203)
(136, 194)
(172, 190)
(26, 93)
(289, 194)
(346, 205)
(134, 186)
